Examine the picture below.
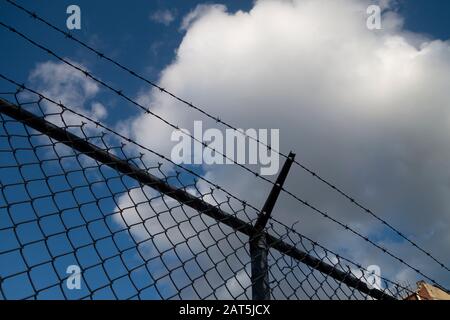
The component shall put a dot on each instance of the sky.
(116, 28)
(130, 33)
(366, 109)
(136, 35)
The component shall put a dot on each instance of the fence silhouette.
(74, 192)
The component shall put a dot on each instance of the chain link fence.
(75, 193)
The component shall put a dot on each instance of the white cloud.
(200, 11)
(165, 17)
(99, 110)
(60, 82)
(367, 109)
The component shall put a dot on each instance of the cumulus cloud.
(165, 17)
(367, 109)
(60, 82)
(200, 11)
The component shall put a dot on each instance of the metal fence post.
(259, 248)
(260, 272)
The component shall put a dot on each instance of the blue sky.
(430, 17)
(129, 35)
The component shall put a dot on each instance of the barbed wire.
(131, 141)
(294, 196)
(228, 125)
(132, 101)
(218, 187)
(290, 233)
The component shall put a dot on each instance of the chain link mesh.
(61, 207)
